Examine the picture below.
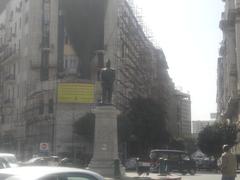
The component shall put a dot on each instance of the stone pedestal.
(105, 153)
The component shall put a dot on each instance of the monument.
(105, 158)
(107, 81)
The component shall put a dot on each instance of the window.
(173, 157)
(20, 23)
(26, 18)
(41, 107)
(50, 106)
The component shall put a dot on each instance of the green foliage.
(85, 126)
(212, 138)
(190, 145)
(143, 124)
(187, 144)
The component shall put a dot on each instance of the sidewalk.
(134, 175)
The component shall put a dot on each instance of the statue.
(107, 80)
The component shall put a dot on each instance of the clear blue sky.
(188, 32)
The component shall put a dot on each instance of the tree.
(190, 145)
(212, 138)
(85, 126)
(143, 124)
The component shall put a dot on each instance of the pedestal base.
(105, 156)
(106, 168)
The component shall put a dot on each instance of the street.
(205, 176)
(198, 176)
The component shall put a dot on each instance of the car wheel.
(192, 171)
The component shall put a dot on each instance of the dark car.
(174, 160)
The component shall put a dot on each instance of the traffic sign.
(44, 147)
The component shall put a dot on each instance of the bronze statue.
(107, 80)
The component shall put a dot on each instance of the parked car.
(175, 161)
(48, 173)
(10, 159)
(4, 164)
(207, 164)
(42, 161)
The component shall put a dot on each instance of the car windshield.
(10, 159)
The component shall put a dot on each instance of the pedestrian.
(228, 164)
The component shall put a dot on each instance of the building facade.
(46, 53)
(198, 126)
(229, 64)
(183, 101)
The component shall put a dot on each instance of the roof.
(32, 172)
(6, 154)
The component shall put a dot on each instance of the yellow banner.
(76, 93)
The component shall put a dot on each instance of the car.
(207, 163)
(48, 173)
(173, 160)
(42, 161)
(4, 163)
(10, 159)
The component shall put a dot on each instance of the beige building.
(44, 59)
(183, 101)
(229, 64)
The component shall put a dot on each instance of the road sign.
(44, 147)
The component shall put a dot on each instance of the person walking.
(228, 164)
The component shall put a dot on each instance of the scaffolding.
(135, 57)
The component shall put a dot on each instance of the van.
(175, 160)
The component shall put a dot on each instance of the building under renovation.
(228, 83)
(51, 52)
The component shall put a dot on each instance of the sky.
(188, 32)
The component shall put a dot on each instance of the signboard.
(82, 93)
(44, 147)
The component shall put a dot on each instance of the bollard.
(166, 166)
(117, 172)
(162, 166)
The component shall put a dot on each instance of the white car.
(48, 173)
(10, 159)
